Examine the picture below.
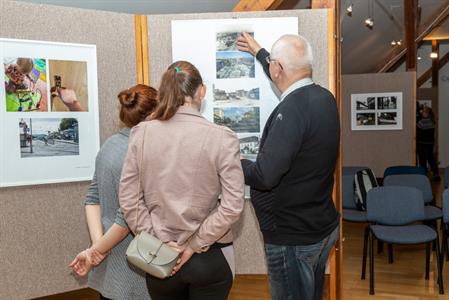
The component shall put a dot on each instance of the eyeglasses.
(270, 60)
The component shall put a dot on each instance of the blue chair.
(391, 210)
(446, 177)
(445, 202)
(421, 182)
(401, 170)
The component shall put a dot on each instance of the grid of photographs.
(34, 85)
(236, 95)
(376, 111)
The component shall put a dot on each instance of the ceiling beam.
(257, 5)
(434, 21)
(428, 74)
(410, 9)
(323, 3)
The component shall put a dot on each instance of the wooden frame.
(142, 65)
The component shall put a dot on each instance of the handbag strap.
(139, 191)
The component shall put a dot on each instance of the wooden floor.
(404, 279)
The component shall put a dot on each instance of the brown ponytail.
(137, 103)
(181, 80)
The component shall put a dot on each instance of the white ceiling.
(363, 50)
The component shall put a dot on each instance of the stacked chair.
(392, 212)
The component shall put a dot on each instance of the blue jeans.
(297, 272)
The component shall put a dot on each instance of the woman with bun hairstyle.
(114, 278)
(183, 170)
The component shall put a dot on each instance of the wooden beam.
(145, 50)
(435, 62)
(257, 5)
(323, 4)
(410, 9)
(434, 21)
(428, 74)
(139, 65)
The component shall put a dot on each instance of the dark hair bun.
(128, 98)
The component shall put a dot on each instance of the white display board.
(239, 94)
(45, 135)
(376, 111)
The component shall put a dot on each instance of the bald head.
(294, 52)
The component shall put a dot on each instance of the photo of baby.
(25, 84)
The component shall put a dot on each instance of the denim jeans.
(297, 272)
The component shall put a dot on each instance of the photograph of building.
(235, 65)
(249, 145)
(366, 103)
(236, 97)
(387, 102)
(239, 119)
(227, 41)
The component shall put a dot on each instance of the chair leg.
(444, 249)
(365, 249)
(440, 273)
(390, 253)
(371, 263)
(427, 260)
(380, 247)
(445, 241)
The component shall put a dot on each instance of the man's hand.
(247, 43)
(185, 256)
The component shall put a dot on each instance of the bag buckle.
(153, 254)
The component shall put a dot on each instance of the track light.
(433, 55)
(349, 9)
(369, 22)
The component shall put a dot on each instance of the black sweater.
(292, 179)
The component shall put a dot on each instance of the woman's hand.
(185, 256)
(86, 260)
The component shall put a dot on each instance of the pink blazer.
(186, 163)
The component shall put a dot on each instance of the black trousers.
(206, 276)
(426, 155)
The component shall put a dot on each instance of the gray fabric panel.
(43, 227)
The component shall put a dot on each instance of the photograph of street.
(366, 103)
(387, 102)
(387, 118)
(227, 41)
(368, 119)
(239, 119)
(41, 137)
(235, 65)
(225, 96)
(249, 145)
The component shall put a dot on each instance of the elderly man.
(291, 181)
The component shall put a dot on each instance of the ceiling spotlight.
(419, 57)
(433, 55)
(393, 43)
(399, 43)
(369, 22)
(349, 9)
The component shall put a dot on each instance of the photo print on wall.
(25, 81)
(48, 111)
(376, 111)
(239, 119)
(40, 137)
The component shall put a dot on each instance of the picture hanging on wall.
(49, 126)
(376, 111)
(239, 94)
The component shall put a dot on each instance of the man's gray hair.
(294, 52)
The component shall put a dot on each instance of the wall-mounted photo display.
(376, 111)
(239, 94)
(49, 126)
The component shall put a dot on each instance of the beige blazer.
(187, 163)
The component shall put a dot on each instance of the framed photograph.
(49, 124)
(376, 111)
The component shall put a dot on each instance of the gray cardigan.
(114, 278)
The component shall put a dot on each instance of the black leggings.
(205, 276)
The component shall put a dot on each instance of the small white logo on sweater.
(279, 117)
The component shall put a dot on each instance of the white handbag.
(147, 252)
